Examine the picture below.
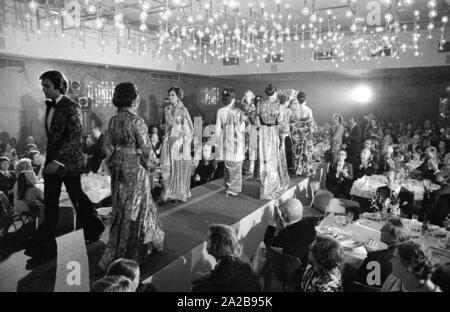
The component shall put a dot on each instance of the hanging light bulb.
(33, 5)
(92, 9)
(143, 27)
(305, 10)
(313, 18)
(349, 13)
(143, 16)
(388, 17)
(432, 13)
(145, 6)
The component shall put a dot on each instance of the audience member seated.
(127, 268)
(7, 178)
(374, 153)
(440, 207)
(36, 162)
(97, 151)
(411, 270)
(365, 166)
(441, 277)
(231, 274)
(156, 144)
(430, 167)
(387, 162)
(26, 193)
(28, 148)
(322, 273)
(290, 231)
(113, 283)
(394, 231)
(340, 177)
(393, 194)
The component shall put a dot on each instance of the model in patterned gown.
(230, 131)
(302, 129)
(176, 155)
(135, 231)
(270, 165)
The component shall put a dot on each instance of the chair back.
(285, 267)
(4, 203)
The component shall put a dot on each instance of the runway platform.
(185, 225)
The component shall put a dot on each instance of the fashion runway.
(185, 225)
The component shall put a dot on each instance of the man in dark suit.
(354, 140)
(97, 152)
(64, 162)
(340, 177)
(393, 232)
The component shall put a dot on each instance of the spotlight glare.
(362, 94)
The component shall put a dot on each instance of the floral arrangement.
(386, 207)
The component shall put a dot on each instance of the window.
(209, 96)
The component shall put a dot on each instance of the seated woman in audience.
(442, 149)
(364, 166)
(127, 268)
(290, 231)
(322, 274)
(25, 191)
(394, 231)
(336, 136)
(387, 162)
(374, 132)
(411, 270)
(230, 273)
(340, 176)
(430, 167)
(374, 153)
(113, 283)
(36, 162)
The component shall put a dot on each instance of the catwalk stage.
(185, 225)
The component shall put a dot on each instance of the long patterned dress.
(230, 127)
(285, 133)
(270, 164)
(302, 142)
(176, 153)
(135, 227)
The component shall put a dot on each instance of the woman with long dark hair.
(176, 155)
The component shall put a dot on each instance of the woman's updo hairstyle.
(270, 89)
(283, 98)
(301, 97)
(124, 94)
(178, 91)
(228, 94)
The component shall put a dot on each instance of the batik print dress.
(176, 155)
(303, 144)
(270, 165)
(136, 230)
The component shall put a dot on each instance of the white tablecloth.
(367, 186)
(96, 186)
(352, 234)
